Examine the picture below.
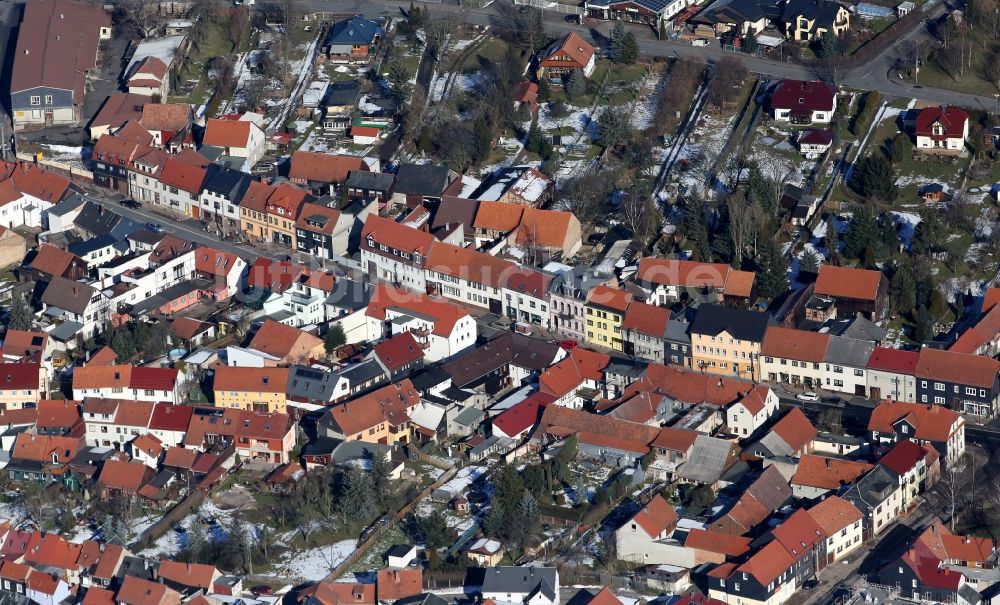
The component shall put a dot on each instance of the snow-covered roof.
(164, 49)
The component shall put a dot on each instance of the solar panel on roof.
(873, 10)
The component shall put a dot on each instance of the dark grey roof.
(678, 329)
(509, 348)
(342, 93)
(470, 416)
(429, 377)
(848, 351)
(872, 489)
(310, 384)
(455, 210)
(65, 331)
(68, 295)
(521, 580)
(399, 550)
(351, 295)
(578, 281)
(145, 236)
(823, 11)
(421, 179)
(363, 372)
(369, 181)
(96, 220)
(712, 320)
(229, 183)
(859, 327)
(708, 460)
(68, 205)
(354, 31)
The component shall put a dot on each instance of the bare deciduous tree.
(746, 219)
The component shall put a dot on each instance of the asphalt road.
(879, 74)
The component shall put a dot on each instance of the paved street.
(878, 74)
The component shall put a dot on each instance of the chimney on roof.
(76, 291)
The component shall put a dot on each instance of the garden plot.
(698, 154)
(650, 91)
(314, 564)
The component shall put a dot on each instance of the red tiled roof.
(250, 380)
(572, 45)
(279, 340)
(768, 563)
(960, 368)
(571, 371)
(444, 314)
(903, 457)
(195, 575)
(930, 422)
(392, 234)
(656, 517)
(183, 175)
(399, 351)
(952, 119)
(395, 584)
(795, 429)
(672, 272)
(53, 261)
(789, 343)
(717, 542)
(828, 473)
(227, 133)
(834, 514)
(799, 533)
(894, 360)
(468, 264)
(124, 475)
(51, 550)
(41, 448)
(606, 297)
(848, 282)
(523, 415)
(168, 417)
(58, 413)
(19, 376)
(949, 547)
(796, 94)
(646, 319)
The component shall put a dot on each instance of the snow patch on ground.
(906, 225)
(316, 563)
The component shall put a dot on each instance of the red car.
(262, 590)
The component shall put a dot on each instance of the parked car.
(131, 204)
(262, 590)
(807, 396)
(155, 227)
(699, 42)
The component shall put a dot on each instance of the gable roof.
(903, 457)
(279, 340)
(952, 119)
(443, 313)
(498, 216)
(894, 360)
(742, 324)
(646, 319)
(183, 175)
(323, 167)
(848, 282)
(656, 517)
(958, 368)
(69, 295)
(571, 371)
(834, 514)
(53, 260)
(123, 474)
(228, 133)
(828, 473)
(392, 234)
(717, 542)
(399, 352)
(807, 96)
(195, 575)
(578, 49)
(169, 117)
(789, 343)
(523, 415)
(674, 272)
(252, 380)
(468, 264)
(795, 429)
(949, 547)
(390, 403)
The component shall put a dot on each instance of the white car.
(807, 396)
(699, 42)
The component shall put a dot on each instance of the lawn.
(216, 43)
(494, 50)
(972, 80)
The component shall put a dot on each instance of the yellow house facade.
(251, 389)
(727, 341)
(604, 313)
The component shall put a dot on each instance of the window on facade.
(36, 100)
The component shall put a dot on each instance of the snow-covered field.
(315, 563)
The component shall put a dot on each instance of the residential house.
(671, 280)
(570, 52)
(224, 269)
(918, 467)
(394, 253)
(42, 458)
(529, 585)
(443, 327)
(605, 311)
(322, 173)
(256, 389)
(169, 123)
(752, 411)
(644, 328)
(240, 138)
(526, 296)
(136, 383)
(326, 232)
(804, 103)
(50, 261)
(381, 416)
(138, 591)
(22, 385)
(180, 187)
(57, 45)
(793, 356)
(854, 290)
(568, 293)
(82, 309)
(964, 382)
(220, 196)
(352, 40)
(267, 437)
(810, 19)
(879, 497)
(764, 495)
(727, 341)
(114, 422)
(369, 186)
(576, 377)
(28, 192)
(841, 522)
(522, 185)
(13, 248)
(845, 365)
(941, 130)
(891, 374)
(347, 306)
(291, 293)
(169, 423)
(269, 212)
(119, 109)
(935, 425)
(817, 476)
(646, 12)
(472, 277)
(144, 173)
(149, 76)
(288, 344)
(112, 156)
(123, 479)
(416, 184)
